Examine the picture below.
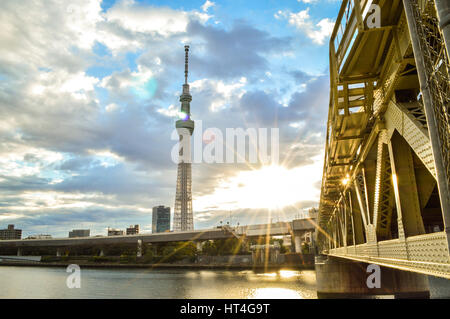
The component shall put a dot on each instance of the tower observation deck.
(183, 218)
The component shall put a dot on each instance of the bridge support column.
(439, 288)
(199, 245)
(19, 251)
(58, 252)
(102, 253)
(139, 248)
(341, 278)
(298, 243)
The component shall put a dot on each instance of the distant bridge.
(295, 228)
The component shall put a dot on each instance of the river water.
(41, 282)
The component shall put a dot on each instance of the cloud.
(163, 21)
(82, 148)
(208, 4)
(235, 53)
(301, 20)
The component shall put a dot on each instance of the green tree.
(210, 248)
(178, 251)
(305, 248)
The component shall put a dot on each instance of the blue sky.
(89, 96)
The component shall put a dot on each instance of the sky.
(89, 95)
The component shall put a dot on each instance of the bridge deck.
(275, 229)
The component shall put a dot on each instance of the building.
(79, 233)
(160, 219)
(133, 230)
(183, 218)
(10, 233)
(115, 232)
(40, 236)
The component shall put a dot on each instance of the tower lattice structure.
(183, 217)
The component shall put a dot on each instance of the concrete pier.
(341, 278)
(298, 244)
(439, 288)
(139, 248)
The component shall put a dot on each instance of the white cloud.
(146, 19)
(60, 81)
(135, 17)
(111, 107)
(207, 5)
(222, 92)
(13, 159)
(171, 111)
(38, 34)
(301, 20)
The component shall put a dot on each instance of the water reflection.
(36, 282)
(288, 273)
(274, 293)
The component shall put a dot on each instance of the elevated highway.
(250, 231)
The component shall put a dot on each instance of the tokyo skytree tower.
(183, 218)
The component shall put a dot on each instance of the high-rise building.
(79, 233)
(183, 218)
(10, 233)
(133, 230)
(160, 219)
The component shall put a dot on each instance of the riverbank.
(83, 264)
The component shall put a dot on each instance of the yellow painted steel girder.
(386, 165)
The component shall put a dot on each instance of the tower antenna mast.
(186, 63)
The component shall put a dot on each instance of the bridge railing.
(350, 19)
(349, 23)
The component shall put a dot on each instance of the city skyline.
(90, 97)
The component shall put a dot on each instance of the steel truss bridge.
(385, 189)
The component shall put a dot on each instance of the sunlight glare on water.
(43, 282)
(274, 293)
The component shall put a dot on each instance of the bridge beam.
(407, 198)
(358, 225)
(431, 104)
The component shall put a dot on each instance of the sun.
(271, 187)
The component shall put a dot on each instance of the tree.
(210, 248)
(178, 251)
